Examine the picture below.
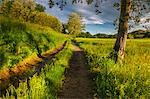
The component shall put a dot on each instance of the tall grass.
(129, 80)
(47, 84)
(19, 40)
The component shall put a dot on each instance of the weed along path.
(27, 69)
(77, 84)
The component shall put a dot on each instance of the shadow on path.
(77, 84)
(22, 72)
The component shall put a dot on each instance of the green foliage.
(129, 80)
(5, 7)
(47, 20)
(40, 8)
(130, 36)
(85, 35)
(101, 35)
(20, 40)
(47, 84)
(139, 34)
(74, 24)
(29, 11)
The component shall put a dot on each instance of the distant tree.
(40, 18)
(21, 9)
(30, 4)
(16, 9)
(74, 25)
(29, 11)
(40, 8)
(47, 20)
(85, 35)
(147, 34)
(32, 16)
(130, 36)
(5, 7)
(56, 24)
(64, 30)
(101, 35)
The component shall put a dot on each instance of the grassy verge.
(20, 40)
(47, 84)
(129, 80)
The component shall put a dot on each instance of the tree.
(30, 4)
(85, 35)
(127, 7)
(56, 24)
(40, 8)
(21, 9)
(119, 47)
(47, 20)
(5, 7)
(74, 24)
(130, 36)
(29, 11)
(16, 9)
(64, 30)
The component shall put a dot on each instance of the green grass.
(47, 84)
(19, 40)
(129, 80)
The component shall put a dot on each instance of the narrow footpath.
(77, 84)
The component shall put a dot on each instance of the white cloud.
(88, 13)
(92, 20)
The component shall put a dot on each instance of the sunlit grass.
(129, 80)
(19, 40)
(47, 84)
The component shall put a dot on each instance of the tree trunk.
(119, 47)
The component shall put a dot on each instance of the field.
(129, 80)
(23, 44)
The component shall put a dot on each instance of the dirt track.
(22, 71)
(77, 84)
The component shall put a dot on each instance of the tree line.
(29, 11)
(132, 35)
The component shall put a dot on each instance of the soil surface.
(77, 84)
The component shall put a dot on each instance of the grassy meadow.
(39, 56)
(19, 40)
(45, 85)
(129, 80)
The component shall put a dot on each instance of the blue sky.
(106, 28)
(101, 23)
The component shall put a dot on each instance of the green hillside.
(19, 40)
